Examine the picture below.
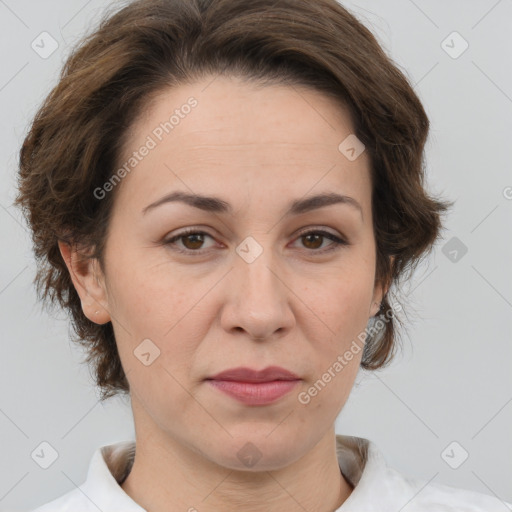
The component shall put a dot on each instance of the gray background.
(453, 381)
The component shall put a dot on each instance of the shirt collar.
(109, 466)
(377, 486)
(360, 461)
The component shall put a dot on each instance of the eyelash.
(337, 242)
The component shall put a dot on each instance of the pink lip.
(253, 387)
(261, 393)
(243, 374)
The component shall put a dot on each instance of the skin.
(257, 148)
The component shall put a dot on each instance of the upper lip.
(243, 374)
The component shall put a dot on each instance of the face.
(254, 284)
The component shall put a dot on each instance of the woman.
(222, 194)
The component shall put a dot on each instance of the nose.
(257, 300)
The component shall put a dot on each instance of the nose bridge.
(259, 302)
(257, 267)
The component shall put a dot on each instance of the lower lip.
(255, 393)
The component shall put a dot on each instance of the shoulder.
(427, 496)
(101, 490)
(73, 501)
(436, 495)
(379, 487)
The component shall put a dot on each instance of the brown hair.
(147, 46)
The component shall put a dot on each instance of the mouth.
(255, 387)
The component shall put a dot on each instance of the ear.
(89, 283)
(379, 292)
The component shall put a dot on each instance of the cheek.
(157, 303)
(337, 341)
(151, 297)
(355, 290)
(342, 302)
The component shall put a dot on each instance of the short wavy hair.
(147, 46)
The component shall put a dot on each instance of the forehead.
(223, 134)
(230, 110)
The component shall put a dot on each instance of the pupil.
(318, 237)
(197, 240)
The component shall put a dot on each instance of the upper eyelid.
(302, 231)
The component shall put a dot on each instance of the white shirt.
(377, 487)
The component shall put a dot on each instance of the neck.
(167, 476)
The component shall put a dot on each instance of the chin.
(253, 449)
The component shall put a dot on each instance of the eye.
(192, 241)
(313, 239)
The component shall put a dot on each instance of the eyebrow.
(217, 205)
